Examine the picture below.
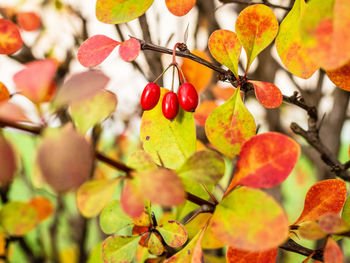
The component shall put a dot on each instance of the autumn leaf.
(230, 125)
(131, 199)
(332, 224)
(225, 48)
(180, 7)
(173, 233)
(203, 111)
(120, 249)
(327, 196)
(265, 160)
(289, 45)
(4, 93)
(340, 76)
(155, 245)
(8, 162)
(10, 38)
(43, 207)
(332, 252)
(256, 27)
(171, 141)
(95, 50)
(28, 21)
(129, 49)
(141, 161)
(323, 29)
(267, 94)
(113, 218)
(117, 12)
(10, 111)
(232, 221)
(222, 93)
(239, 256)
(311, 230)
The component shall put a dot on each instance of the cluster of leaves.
(170, 171)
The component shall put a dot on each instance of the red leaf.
(327, 196)
(10, 38)
(35, 80)
(95, 50)
(129, 49)
(131, 200)
(265, 161)
(240, 256)
(28, 21)
(7, 162)
(12, 112)
(267, 94)
(180, 7)
(332, 252)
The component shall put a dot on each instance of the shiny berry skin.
(150, 96)
(188, 97)
(170, 105)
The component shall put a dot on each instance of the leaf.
(4, 93)
(113, 218)
(131, 199)
(141, 161)
(95, 50)
(239, 256)
(120, 249)
(129, 49)
(95, 255)
(203, 111)
(155, 245)
(206, 167)
(225, 48)
(311, 230)
(8, 162)
(173, 233)
(94, 195)
(332, 224)
(340, 76)
(35, 80)
(223, 93)
(144, 220)
(43, 207)
(323, 32)
(28, 21)
(265, 161)
(289, 45)
(180, 7)
(10, 38)
(161, 186)
(122, 11)
(171, 141)
(327, 196)
(267, 94)
(18, 218)
(12, 112)
(191, 253)
(90, 111)
(81, 86)
(71, 163)
(256, 28)
(230, 125)
(332, 252)
(197, 74)
(232, 221)
(346, 212)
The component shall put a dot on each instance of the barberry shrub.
(200, 182)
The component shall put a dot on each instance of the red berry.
(188, 97)
(170, 105)
(150, 96)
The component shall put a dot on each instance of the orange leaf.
(131, 199)
(28, 21)
(4, 93)
(267, 94)
(197, 74)
(332, 252)
(223, 93)
(129, 49)
(10, 38)
(265, 161)
(240, 256)
(203, 111)
(12, 112)
(43, 207)
(327, 196)
(180, 7)
(35, 80)
(340, 76)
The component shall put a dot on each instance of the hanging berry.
(188, 97)
(150, 96)
(170, 105)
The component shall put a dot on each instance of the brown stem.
(292, 246)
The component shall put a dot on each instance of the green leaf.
(171, 141)
(94, 195)
(121, 11)
(120, 249)
(96, 254)
(233, 223)
(289, 46)
(89, 112)
(256, 28)
(18, 218)
(113, 218)
(230, 125)
(141, 161)
(173, 233)
(345, 215)
(206, 167)
(155, 245)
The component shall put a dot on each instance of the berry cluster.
(186, 97)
